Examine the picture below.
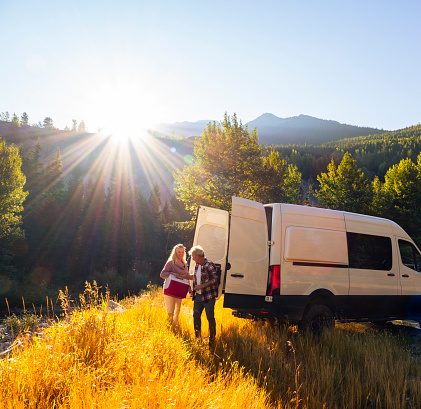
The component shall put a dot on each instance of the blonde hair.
(173, 256)
(198, 251)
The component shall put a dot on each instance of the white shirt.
(199, 277)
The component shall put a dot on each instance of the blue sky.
(139, 62)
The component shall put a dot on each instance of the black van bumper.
(261, 307)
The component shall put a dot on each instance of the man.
(205, 290)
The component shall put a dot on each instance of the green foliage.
(345, 187)
(48, 123)
(24, 119)
(12, 181)
(15, 121)
(402, 195)
(26, 322)
(228, 162)
(279, 181)
(375, 153)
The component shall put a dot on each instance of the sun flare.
(123, 107)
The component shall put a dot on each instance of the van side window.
(409, 255)
(369, 252)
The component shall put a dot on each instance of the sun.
(121, 108)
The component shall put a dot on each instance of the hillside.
(303, 129)
(151, 160)
(273, 130)
(373, 153)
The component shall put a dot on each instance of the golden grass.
(132, 359)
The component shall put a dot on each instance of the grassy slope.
(131, 359)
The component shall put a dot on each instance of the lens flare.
(40, 276)
(188, 159)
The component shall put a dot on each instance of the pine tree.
(48, 123)
(15, 121)
(24, 120)
(12, 195)
(82, 126)
(403, 189)
(93, 233)
(345, 187)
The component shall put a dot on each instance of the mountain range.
(273, 130)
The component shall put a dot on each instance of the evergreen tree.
(24, 120)
(153, 232)
(403, 188)
(32, 168)
(5, 116)
(382, 200)
(70, 224)
(12, 195)
(44, 212)
(82, 126)
(119, 205)
(345, 187)
(279, 182)
(15, 121)
(48, 123)
(93, 252)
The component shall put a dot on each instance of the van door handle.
(405, 275)
(391, 275)
(237, 275)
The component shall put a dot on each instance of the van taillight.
(274, 282)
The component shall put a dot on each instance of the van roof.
(339, 216)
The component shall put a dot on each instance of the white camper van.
(310, 265)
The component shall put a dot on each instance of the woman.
(177, 266)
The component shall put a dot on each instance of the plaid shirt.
(208, 274)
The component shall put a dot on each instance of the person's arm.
(167, 270)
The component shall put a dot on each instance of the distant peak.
(268, 115)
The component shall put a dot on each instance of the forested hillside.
(375, 154)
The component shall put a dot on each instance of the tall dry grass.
(132, 359)
(129, 359)
(354, 366)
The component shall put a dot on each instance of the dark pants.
(209, 307)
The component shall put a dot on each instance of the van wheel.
(317, 319)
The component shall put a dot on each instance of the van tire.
(317, 319)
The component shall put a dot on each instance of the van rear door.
(212, 234)
(248, 249)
